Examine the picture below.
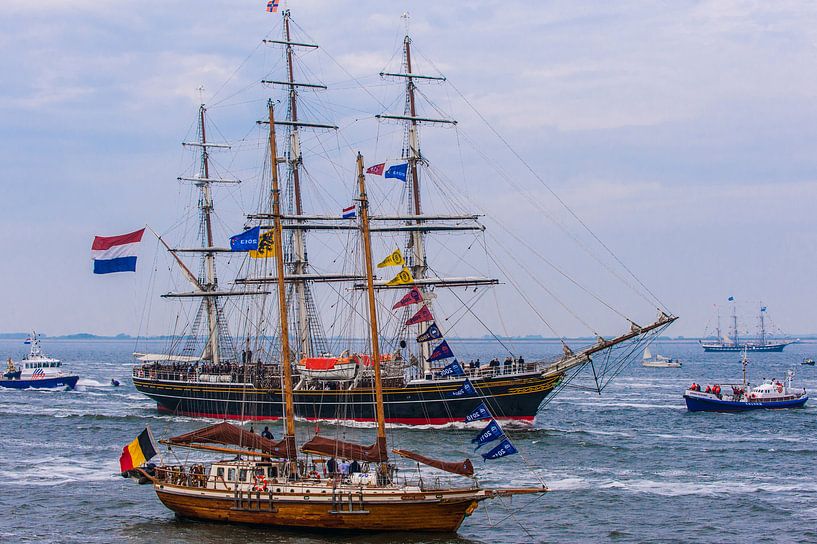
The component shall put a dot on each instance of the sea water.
(629, 465)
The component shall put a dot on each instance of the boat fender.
(314, 475)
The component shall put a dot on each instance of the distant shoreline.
(806, 338)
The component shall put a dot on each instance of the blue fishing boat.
(37, 371)
(770, 394)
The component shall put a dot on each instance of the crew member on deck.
(266, 433)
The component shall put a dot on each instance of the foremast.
(210, 279)
(206, 283)
(375, 338)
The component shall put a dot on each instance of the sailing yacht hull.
(511, 398)
(432, 512)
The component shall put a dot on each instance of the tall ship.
(326, 483)
(210, 371)
(732, 341)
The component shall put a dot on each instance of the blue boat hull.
(45, 383)
(696, 404)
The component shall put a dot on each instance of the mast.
(367, 250)
(720, 338)
(210, 280)
(762, 325)
(734, 323)
(412, 153)
(294, 163)
(275, 195)
(308, 330)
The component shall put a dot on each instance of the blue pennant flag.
(397, 171)
(442, 351)
(432, 333)
(466, 390)
(763, 308)
(480, 412)
(490, 433)
(504, 449)
(731, 299)
(453, 369)
(246, 241)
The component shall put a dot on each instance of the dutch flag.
(116, 253)
(349, 213)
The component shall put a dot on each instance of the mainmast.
(294, 163)
(275, 196)
(367, 250)
(762, 324)
(307, 327)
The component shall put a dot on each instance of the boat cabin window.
(231, 474)
(272, 472)
(220, 472)
(242, 474)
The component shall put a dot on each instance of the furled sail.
(463, 468)
(229, 435)
(346, 450)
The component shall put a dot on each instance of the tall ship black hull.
(767, 348)
(514, 397)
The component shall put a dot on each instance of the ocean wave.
(57, 470)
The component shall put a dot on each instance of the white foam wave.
(56, 470)
(87, 382)
(677, 488)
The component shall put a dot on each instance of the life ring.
(314, 475)
(779, 388)
(260, 483)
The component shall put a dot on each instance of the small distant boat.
(37, 370)
(770, 394)
(659, 361)
(808, 361)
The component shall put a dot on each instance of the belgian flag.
(138, 452)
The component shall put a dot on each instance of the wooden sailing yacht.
(337, 386)
(270, 483)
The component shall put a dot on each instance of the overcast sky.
(682, 133)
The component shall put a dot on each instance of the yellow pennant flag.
(394, 259)
(402, 278)
(266, 246)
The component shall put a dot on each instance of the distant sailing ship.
(733, 342)
(217, 380)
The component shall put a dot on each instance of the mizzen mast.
(411, 153)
